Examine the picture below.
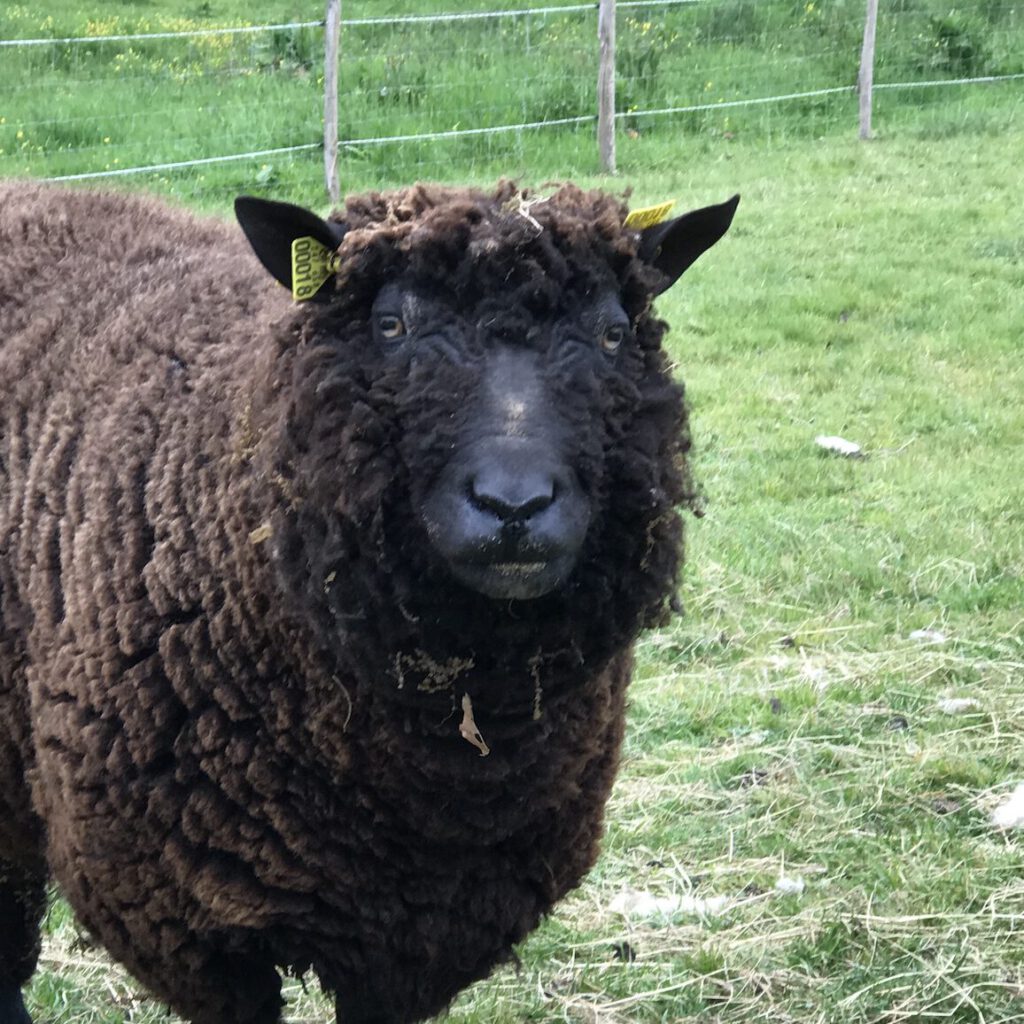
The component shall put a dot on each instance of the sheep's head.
(493, 359)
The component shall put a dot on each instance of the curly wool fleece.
(236, 681)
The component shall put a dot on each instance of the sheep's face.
(507, 500)
(485, 399)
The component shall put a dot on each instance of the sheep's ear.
(673, 245)
(271, 227)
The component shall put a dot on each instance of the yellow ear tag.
(648, 216)
(312, 264)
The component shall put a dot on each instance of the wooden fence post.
(332, 46)
(865, 80)
(606, 85)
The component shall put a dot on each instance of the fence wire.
(202, 109)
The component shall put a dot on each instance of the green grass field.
(791, 728)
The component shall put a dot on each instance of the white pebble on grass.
(928, 636)
(957, 705)
(646, 906)
(1010, 813)
(785, 884)
(839, 445)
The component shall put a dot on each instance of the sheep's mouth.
(513, 580)
(522, 569)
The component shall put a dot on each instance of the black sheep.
(316, 619)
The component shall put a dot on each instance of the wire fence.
(205, 110)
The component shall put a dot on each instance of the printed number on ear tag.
(648, 216)
(312, 264)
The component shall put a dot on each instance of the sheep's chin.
(513, 581)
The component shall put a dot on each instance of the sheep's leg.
(350, 1015)
(204, 986)
(356, 1004)
(22, 902)
(228, 990)
(12, 1008)
(192, 972)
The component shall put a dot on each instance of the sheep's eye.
(390, 327)
(612, 338)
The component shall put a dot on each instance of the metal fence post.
(332, 46)
(865, 80)
(606, 85)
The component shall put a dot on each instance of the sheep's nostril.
(512, 499)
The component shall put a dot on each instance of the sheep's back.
(122, 322)
(92, 285)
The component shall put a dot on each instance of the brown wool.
(214, 584)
